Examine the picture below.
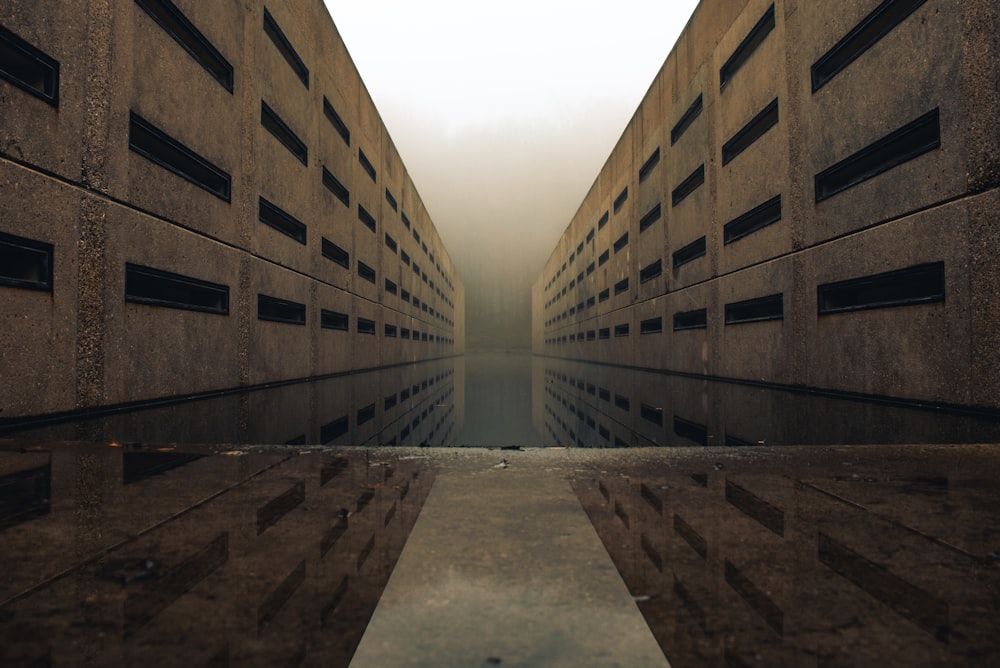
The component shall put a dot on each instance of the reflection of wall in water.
(769, 570)
(158, 248)
(598, 405)
(795, 170)
(293, 552)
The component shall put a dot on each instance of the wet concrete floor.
(708, 543)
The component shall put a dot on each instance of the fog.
(503, 115)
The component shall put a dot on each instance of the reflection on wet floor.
(124, 555)
(856, 558)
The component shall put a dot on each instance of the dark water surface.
(507, 400)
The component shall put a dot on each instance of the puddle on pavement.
(125, 556)
(859, 557)
(502, 400)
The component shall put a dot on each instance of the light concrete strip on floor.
(503, 568)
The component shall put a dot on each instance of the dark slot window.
(603, 333)
(688, 186)
(390, 331)
(590, 235)
(921, 284)
(280, 220)
(25, 263)
(390, 243)
(621, 286)
(689, 117)
(366, 164)
(391, 200)
(285, 48)
(605, 256)
(333, 320)
(651, 414)
(390, 287)
(697, 319)
(771, 307)
(689, 253)
(336, 187)
(622, 402)
(335, 253)
(336, 121)
(416, 236)
(754, 38)
(406, 221)
(144, 285)
(760, 216)
(862, 37)
(590, 302)
(366, 272)
(166, 14)
(590, 268)
(604, 394)
(405, 257)
(620, 200)
(332, 430)
(28, 68)
(692, 431)
(416, 268)
(579, 278)
(366, 326)
(908, 142)
(280, 310)
(651, 271)
(404, 333)
(591, 335)
(389, 402)
(579, 249)
(152, 143)
(622, 242)
(404, 295)
(651, 326)
(604, 295)
(366, 218)
(621, 330)
(277, 127)
(651, 217)
(603, 221)
(751, 132)
(648, 166)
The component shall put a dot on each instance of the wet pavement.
(743, 526)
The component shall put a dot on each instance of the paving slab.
(503, 568)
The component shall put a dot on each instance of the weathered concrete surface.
(504, 568)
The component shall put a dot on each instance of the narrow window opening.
(25, 263)
(285, 48)
(336, 121)
(366, 218)
(182, 31)
(621, 286)
(155, 145)
(622, 242)
(649, 165)
(620, 200)
(755, 310)
(390, 243)
(390, 287)
(336, 187)
(697, 319)
(621, 330)
(590, 269)
(603, 221)
(742, 54)
(366, 272)
(920, 284)
(689, 253)
(651, 414)
(390, 331)
(604, 295)
(689, 117)
(366, 414)
(651, 217)
(366, 164)
(277, 127)
(274, 217)
(335, 253)
(692, 431)
(651, 326)
(688, 186)
(334, 320)
(651, 271)
(622, 402)
(280, 310)
(334, 429)
(366, 326)
(910, 141)
(759, 217)
(391, 200)
(144, 285)
(406, 221)
(28, 68)
(751, 132)
(605, 256)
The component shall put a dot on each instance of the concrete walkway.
(503, 568)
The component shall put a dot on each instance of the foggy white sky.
(503, 114)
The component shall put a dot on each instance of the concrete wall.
(76, 179)
(768, 216)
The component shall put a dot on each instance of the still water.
(511, 400)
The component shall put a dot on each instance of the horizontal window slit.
(754, 39)
(648, 166)
(390, 243)
(335, 253)
(272, 216)
(155, 145)
(920, 284)
(366, 414)
(284, 134)
(910, 141)
(603, 333)
(621, 243)
(604, 295)
(862, 37)
(334, 320)
(621, 330)
(689, 117)
(26, 263)
(650, 218)
(751, 132)
(366, 326)
(621, 286)
(154, 287)
(336, 121)
(759, 217)
(691, 431)
(390, 331)
(336, 187)
(366, 165)
(603, 221)
(180, 28)
(756, 310)
(366, 272)
(651, 271)
(697, 319)
(285, 48)
(280, 310)
(391, 200)
(390, 287)
(366, 218)
(28, 68)
(332, 430)
(651, 414)
(620, 200)
(689, 253)
(622, 402)
(651, 326)
(688, 186)
(605, 256)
